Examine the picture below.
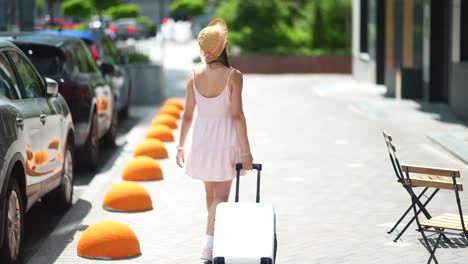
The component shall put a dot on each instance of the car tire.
(61, 199)
(111, 135)
(14, 228)
(125, 112)
(89, 154)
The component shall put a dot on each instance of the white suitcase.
(245, 233)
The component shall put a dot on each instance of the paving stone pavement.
(326, 171)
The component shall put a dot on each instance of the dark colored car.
(111, 60)
(36, 147)
(126, 28)
(89, 95)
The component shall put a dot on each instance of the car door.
(103, 91)
(28, 125)
(45, 144)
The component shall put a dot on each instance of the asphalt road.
(40, 221)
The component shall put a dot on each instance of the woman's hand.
(180, 158)
(247, 162)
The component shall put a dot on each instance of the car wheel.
(125, 113)
(61, 198)
(13, 236)
(89, 154)
(111, 135)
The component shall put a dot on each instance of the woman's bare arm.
(239, 118)
(187, 117)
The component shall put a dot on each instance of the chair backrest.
(438, 178)
(393, 157)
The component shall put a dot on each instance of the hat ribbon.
(210, 54)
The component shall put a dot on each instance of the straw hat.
(212, 40)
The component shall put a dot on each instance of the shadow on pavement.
(39, 224)
(441, 112)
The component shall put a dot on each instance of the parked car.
(36, 147)
(89, 96)
(57, 22)
(126, 28)
(111, 60)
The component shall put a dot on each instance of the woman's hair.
(223, 58)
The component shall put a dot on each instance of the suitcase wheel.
(266, 261)
(219, 260)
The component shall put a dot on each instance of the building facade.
(16, 15)
(415, 47)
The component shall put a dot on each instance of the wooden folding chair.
(399, 174)
(436, 178)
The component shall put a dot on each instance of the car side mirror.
(52, 87)
(107, 68)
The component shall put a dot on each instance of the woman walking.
(219, 137)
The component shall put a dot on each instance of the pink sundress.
(215, 148)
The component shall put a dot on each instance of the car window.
(85, 61)
(80, 62)
(68, 57)
(47, 60)
(92, 67)
(31, 82)
(8, 84)
(110, 51)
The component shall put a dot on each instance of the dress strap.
(193, 71)
(229, 77)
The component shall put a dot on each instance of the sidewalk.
(326, 171)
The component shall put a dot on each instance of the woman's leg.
(221, 192)
(209, 189)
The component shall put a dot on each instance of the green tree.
(102, 5)
(77, 8)
(287, 26)
(123, 11)
(191, 8)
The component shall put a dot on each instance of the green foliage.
(136, 57)
(77, 8)
(40, 6)
(288, 27)
(104, 4)
(123, 11)
(191, 8)
(146, 21)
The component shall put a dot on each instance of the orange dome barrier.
(165, 119)
(175, 102)
(153, 148)
(171, 110)
(161, 132)
(127, 197)
(142, 169)
(108, 239)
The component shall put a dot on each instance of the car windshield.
(47, 60)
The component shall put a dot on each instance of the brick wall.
(292, 64)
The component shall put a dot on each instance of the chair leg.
(434, 250)
(399, 220)
(421, 209)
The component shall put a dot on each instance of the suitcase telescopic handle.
(256, 166)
